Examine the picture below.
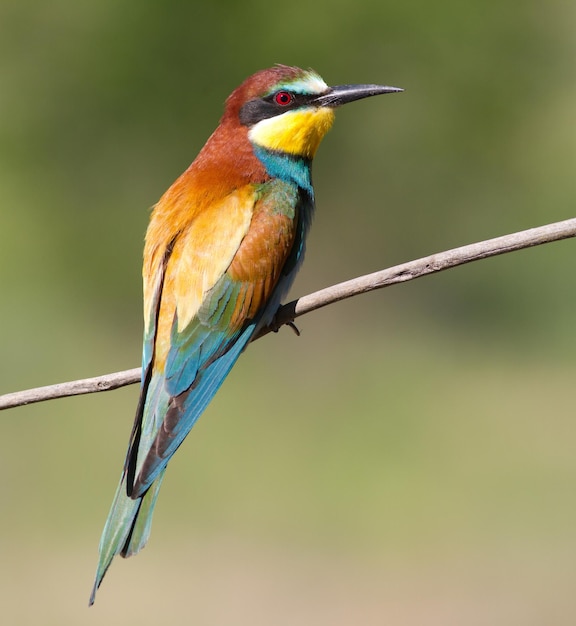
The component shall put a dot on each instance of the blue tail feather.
(127, 528)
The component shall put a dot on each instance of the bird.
(222, 248)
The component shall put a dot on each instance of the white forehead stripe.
(312, 83)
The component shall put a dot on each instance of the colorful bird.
(222, 249)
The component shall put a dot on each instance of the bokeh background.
(411, 458)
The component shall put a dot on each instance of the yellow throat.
(297, 132)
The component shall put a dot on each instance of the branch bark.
(289, 312)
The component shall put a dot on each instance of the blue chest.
(288, 168)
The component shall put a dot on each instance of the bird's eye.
(283, 98)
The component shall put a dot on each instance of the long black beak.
(348, 93)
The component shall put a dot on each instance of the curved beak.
(343, 94)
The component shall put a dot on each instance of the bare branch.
(289, 312)
(421, 267)
(107, 382)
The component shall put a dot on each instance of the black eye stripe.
(260, 109)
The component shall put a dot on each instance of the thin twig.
(421, 267)
(289, 312)
(107, 382)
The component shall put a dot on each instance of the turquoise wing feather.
(202, 354)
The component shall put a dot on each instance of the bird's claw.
(276, 324)
(293, 327)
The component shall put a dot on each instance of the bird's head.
(289, 110)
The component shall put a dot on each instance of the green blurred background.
(411, 459)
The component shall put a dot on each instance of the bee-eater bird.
(222, 249)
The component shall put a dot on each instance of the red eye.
(283, 98)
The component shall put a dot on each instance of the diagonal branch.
(288, 312)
